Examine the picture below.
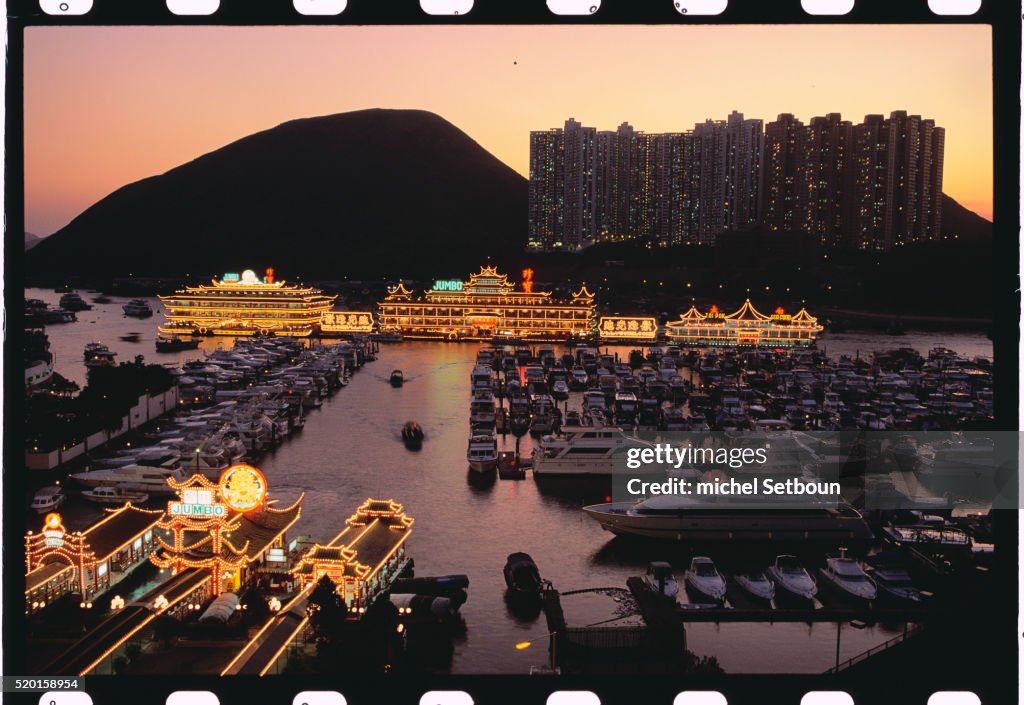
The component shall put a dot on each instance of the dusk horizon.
(204, 103)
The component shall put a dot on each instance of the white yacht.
(757, 584)
(585, 450)
(481, 409)
(847, 575)
(703, 577)
(687, 518)
(790, 576)
(482, 453)
(134, 478)
(48, 499)
(138, 308)
(894, 581)
(114, 495)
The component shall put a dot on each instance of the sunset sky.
(107, 106)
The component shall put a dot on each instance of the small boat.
(560, 390)
(138, 308)
(98, 355)
(519, 423)
(412, 435)
(397, 379)
(482, 453)
(114, 495)
(509, 467)
(521, 575)
(891, 578)
(48, 499)
(661, 580)
(387, 337)
(172, 343)
(703, 577)
(847, 575)
(74, 302)
(101, 299)
(757, 584)
(789, 575)
(131, 337)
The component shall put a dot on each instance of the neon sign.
(196, 502)
(231, 277)
(243, 488)
(448, 285)
(528, 280)
(628, 328)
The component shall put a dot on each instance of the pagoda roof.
(747, 312)
(583, 293)
(118, 528)
(691, 315)
(803, 317)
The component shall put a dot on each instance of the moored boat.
(789, 575)
(73, 301)
(48, 499)
(174, 343)
(703, 578)
(137, 308)
(660, 579)
(757, 584)
(482, 453)
(846, 575)
(521, 575)
(114, 495)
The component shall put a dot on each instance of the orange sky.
(105, 106)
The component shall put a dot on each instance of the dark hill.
(373, 192)
(957, 220)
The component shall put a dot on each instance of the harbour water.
(351, 449)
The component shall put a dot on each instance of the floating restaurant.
(485, 307)
(747, 326)
(225, 528)
(246, 304)
(362, 561)
(59, 562)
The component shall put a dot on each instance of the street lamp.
(552, 668)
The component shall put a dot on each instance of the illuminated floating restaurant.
(747, 326)
(86, 563)
(362, 561)
(485, 307)
(245, 304)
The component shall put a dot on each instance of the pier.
(362, 561)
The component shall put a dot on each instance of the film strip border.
(503, 11)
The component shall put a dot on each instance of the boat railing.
(911, 630)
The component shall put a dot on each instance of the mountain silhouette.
(367, 193)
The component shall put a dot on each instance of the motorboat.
(590, 450)
(703, 577)
(135, 478)
(132, 337)
(560, 390)
(48, 499)
(846, 574)
(482, 453)
(521, 575)
(509, 467)
(757, 584)
(114, 495)
(412, 435)
(519, 422)
(891, 578)
(138, 308)
(482, 378)
(98, 355)
(579, 378)
(172, 343)
(73, 301)
(481, 409)
(397, 379)
(101, 299)
(788, 574)
(661, 580)
(684, 518)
